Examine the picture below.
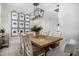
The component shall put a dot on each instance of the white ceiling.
(46, 6)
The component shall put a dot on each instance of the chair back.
(20, 37)
(57, 34)
(32, 34)
(69, 48)
(27, 45)
(21, 43)
(45, 33)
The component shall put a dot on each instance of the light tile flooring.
(13, 49)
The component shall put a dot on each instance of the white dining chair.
(56, 44)
(29, 49)
(57, 34)
(44, 33)
(69, 48)
(21, 43)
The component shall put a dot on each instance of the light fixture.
(35, 7)
(57, 9)
(38, 12)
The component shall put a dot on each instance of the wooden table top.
(42, 42)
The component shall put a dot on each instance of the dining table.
(44, 42)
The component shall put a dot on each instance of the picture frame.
(27, 17)
(27, 25)
(21, 30)
(26, 30)
(21, 16)
(14, 32)
(14, 15)
(15, 24)
(21, 24)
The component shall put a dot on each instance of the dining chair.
(21, 43)
(29, 49)
(32, 34)
(57, 34)
(69, 48)
(56, 44)
(45, 33)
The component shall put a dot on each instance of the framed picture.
(21, 30)
(21, 24)
(27, 30)
(15, 24)
(27, 17)
(14, 32)
(14, 15)
(26, 24)
(21, 16)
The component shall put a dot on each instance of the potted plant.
(36, 29)
(2, 31)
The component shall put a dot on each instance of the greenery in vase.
(36, 29)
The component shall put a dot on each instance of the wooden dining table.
(44, 42)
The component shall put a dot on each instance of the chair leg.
(45, 53)
(71, 54)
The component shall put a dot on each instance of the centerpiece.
(36, 29)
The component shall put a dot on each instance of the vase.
(37, 34)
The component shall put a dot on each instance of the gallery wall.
(6, 15)
(48, 22)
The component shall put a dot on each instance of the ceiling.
(46, 6)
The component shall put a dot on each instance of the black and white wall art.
(20, 22)
(21, 16)
(26, 24)
(14, 24)
(26, 17)
(27, 30)
(21, 30)
(14, 32)
(14, 15)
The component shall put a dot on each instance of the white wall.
(0, 15)
(69, 20)
(48, 22)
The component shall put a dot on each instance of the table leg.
(46, 50)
